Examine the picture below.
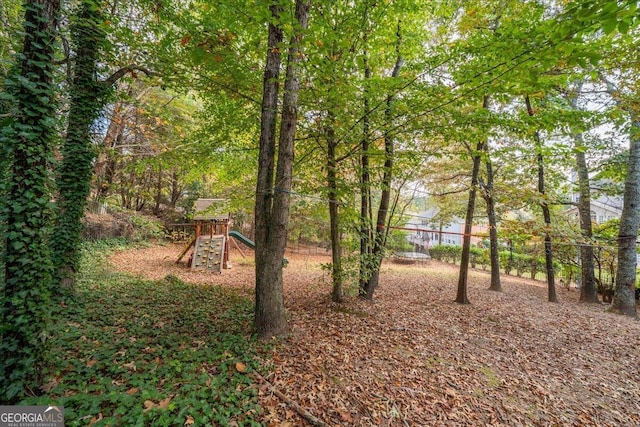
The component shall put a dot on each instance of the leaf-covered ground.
(415, 358)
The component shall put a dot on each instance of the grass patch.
(492, 380)
(163, 353)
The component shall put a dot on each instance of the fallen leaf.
(345, 416)
(50, 385)
(189, 420)
(131, 366)
(132, 391)
(95, 419)
(148, 404)
(165, 402)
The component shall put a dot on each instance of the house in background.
(426, 229)
(603, 209)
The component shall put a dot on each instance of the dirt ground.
(413, 357)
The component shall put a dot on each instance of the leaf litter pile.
(413, 357)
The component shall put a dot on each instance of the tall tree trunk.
(365, 189)
(26, 194)
(624, 297)
(494, 252)
(75, 172)
(380, 233)
(461, 296)
(336, 249)
(548, 253)
(272, 198)
(487, 195)
(588, 291)
(365, 186)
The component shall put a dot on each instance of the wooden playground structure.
(211, 238)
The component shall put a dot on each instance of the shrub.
(447, 253)
(479, 256)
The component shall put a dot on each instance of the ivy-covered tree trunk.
(25, 207)
(272, 198)
(588, 291)
(381, 231)
(624, 296)
(546, 214)
(75, 172)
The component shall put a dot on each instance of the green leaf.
(609, 25)
(623, 26)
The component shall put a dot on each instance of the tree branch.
(127, 69)
(311, 419)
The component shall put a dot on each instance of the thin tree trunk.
(624, 297)
(461, 296)
(158, 197)
(494, 252)
(588, 291)
(548, 253)
(365, 187)
(487, 195)
(336, 249)
(175, 189)
(383, 208)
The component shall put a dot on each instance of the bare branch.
(110, 81)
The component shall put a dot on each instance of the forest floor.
(413, 357)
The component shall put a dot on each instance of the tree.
(624, 296)
(75, 171)
(273, 193)
(381, 230)
(29, 140)
(622, 85)
(461, 296)
(588, 291)
(548, 253)
(488, 194)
